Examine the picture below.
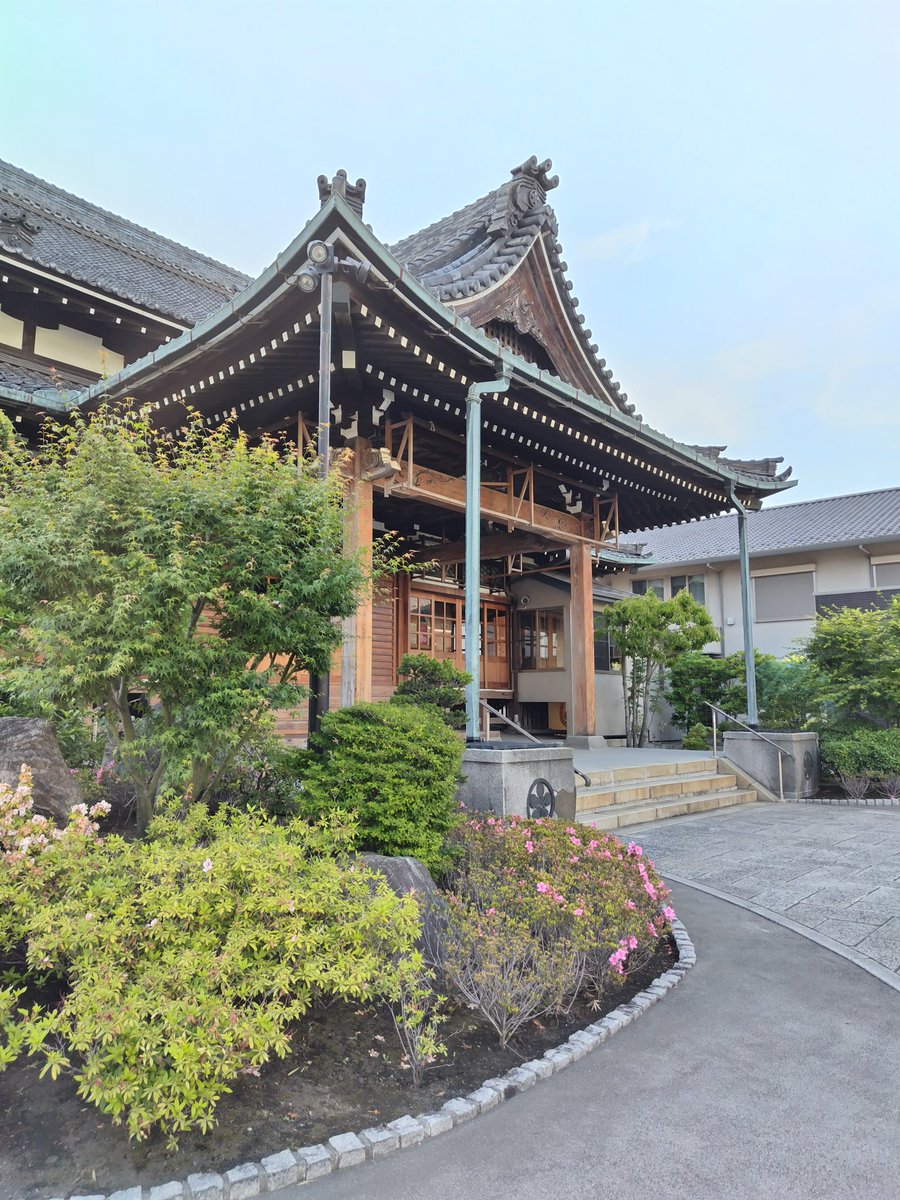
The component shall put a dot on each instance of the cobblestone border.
(288, 1167)
(848, 802)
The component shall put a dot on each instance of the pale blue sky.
(730, 171)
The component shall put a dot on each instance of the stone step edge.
(728, 797)
(655, 771)
(289, 1167)
(612, 789)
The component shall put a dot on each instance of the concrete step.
(617, 816)
(687, 766)
(652, 790)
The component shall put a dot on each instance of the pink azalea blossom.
(577, 912)
(543, 887)
(207, 865)
(668, 913)
(529, 846)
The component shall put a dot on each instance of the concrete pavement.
(772, 1071)
(833, 870)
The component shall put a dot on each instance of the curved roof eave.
(256, 296)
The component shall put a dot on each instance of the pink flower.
(635, 850)
(577, 912)
(576, 841)
(207, 865)
(543, 888)
(650, 890)
(668, 913)
(651, 929)
(630, 904)
(529, 846)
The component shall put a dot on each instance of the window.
(695, 584)
(785, 597)
(887, 574)
(640, 587)
(606, 655)
(541, 640)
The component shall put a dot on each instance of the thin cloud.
(629, 243)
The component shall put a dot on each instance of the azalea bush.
(540, 910)
(183, 958)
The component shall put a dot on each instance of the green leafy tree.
(857, 655)
(786, 689)
(174, 585)
(433, 683)
(650, 634)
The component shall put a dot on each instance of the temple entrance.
(436, 627)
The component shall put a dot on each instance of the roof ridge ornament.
(353, 193)
(17, 229)
(535, 173)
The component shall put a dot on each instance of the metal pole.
(473, 550)
(320, 685)
(715, 734)
(749, 656)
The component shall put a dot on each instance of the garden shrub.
(696, 738)
(860, 750)
(433, 683)
(539, 909)
(186, 955)
(395, 767)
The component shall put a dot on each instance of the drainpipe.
(473, 549)
(320, 685)
(749, 656)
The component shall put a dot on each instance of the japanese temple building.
(92, 305)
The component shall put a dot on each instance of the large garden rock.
(31, 741)
(404, 875)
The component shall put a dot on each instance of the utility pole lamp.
(318, 272)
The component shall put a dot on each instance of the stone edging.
(848, 801)
(251, 1179)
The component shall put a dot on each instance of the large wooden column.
(356, 653)
(583, 714)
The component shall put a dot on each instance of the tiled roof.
(807, 525)
(475, 247)
(26, 376)
(44, 225)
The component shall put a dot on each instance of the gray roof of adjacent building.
(856, 519)
(50, 228)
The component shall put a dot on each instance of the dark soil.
(343, 1073)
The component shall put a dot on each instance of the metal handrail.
(762, 737)
(495, 712)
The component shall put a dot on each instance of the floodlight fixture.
(307, 278)
(320, 253)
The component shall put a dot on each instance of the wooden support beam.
(497, 545)
(356, 650)
(583, 714)
(497, 503)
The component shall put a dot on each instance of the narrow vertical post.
(583, 722)
(749, 656)
(715, 716)
(473, 550)
(319, 685)
(356, 650)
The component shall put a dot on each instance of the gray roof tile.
(26, 376)
(45, 225)
(807, 525)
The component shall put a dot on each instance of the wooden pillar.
(582, 713)
(356, 652)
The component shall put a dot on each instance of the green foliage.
(418, 1012)
(267, 775)
(539, 909)
(856, 653)
(696, 738)
(787, 689)
(189, 953)
(197, 571)
(395, 767)
(433, 683)
(650, 634)
(863, 750)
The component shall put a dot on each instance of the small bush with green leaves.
(395, 768)
(433, 683)
(696, 738)
(860, 750)
(539, 910)
(187, 955)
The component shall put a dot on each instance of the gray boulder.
(404, 875)
(31, 741)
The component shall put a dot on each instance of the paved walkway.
(772, 1071)
(833, 870)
